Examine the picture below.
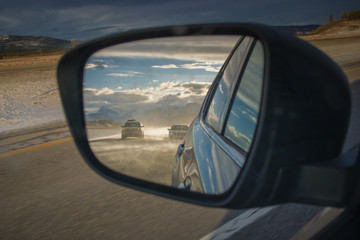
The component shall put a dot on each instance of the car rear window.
(132, 124)
(179, 127)
(243, 115)
(231, 73)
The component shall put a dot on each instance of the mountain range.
(156, 117)
(10, 43)
(297, 30)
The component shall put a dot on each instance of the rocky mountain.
(10, 43)
(110, 114)
(156, 117)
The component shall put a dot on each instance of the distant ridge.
(10, 43)
(297, 30)
(339, 27)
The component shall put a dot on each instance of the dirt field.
(29, 61)
(341, 50)
(28, 93)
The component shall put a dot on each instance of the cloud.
(9, 21)
(238, 138)
(123, 74)
(171, 99)
(197, 88)
(103, 91)
(97, 64)
(208, 66)
(108, 94)
(89, 19)
(165, 66)
(166, 94)
(206, 50)
(191, 88)
(204, 66)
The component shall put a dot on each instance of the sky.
(162, 78)
(153, 74)
(85, 20)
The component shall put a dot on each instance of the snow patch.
(29, 98)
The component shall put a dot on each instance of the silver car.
(132, 128)
(177, 131)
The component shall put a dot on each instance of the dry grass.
(13, 62)
(335, 30)
(326, 26)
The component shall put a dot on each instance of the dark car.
(177, 131)
(132, 128)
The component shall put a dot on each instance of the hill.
(10, 43)
(337, 28)
(297, 29)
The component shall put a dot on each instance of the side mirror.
(271, 114)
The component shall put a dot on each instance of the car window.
(132, 124)
(230, 74)
(179, 127)
(243, 115)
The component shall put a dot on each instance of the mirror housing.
(303, 121)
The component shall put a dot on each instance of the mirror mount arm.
(326, 183)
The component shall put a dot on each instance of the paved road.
(50, 193)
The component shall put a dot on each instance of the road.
(150, 158)
(48, 192)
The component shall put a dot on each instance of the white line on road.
(235, 225)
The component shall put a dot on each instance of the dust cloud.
(150, 158)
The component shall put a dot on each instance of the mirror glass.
(141, 97)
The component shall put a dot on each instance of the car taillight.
(191, 123)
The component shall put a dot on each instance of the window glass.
(179, 127)
(132, 124)
(231, 73)
(243, 116)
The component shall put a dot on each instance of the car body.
(214, 150)
(177, 131)
(132, 128)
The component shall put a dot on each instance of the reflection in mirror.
(243, 115)
(140, 97)
(215, 150)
